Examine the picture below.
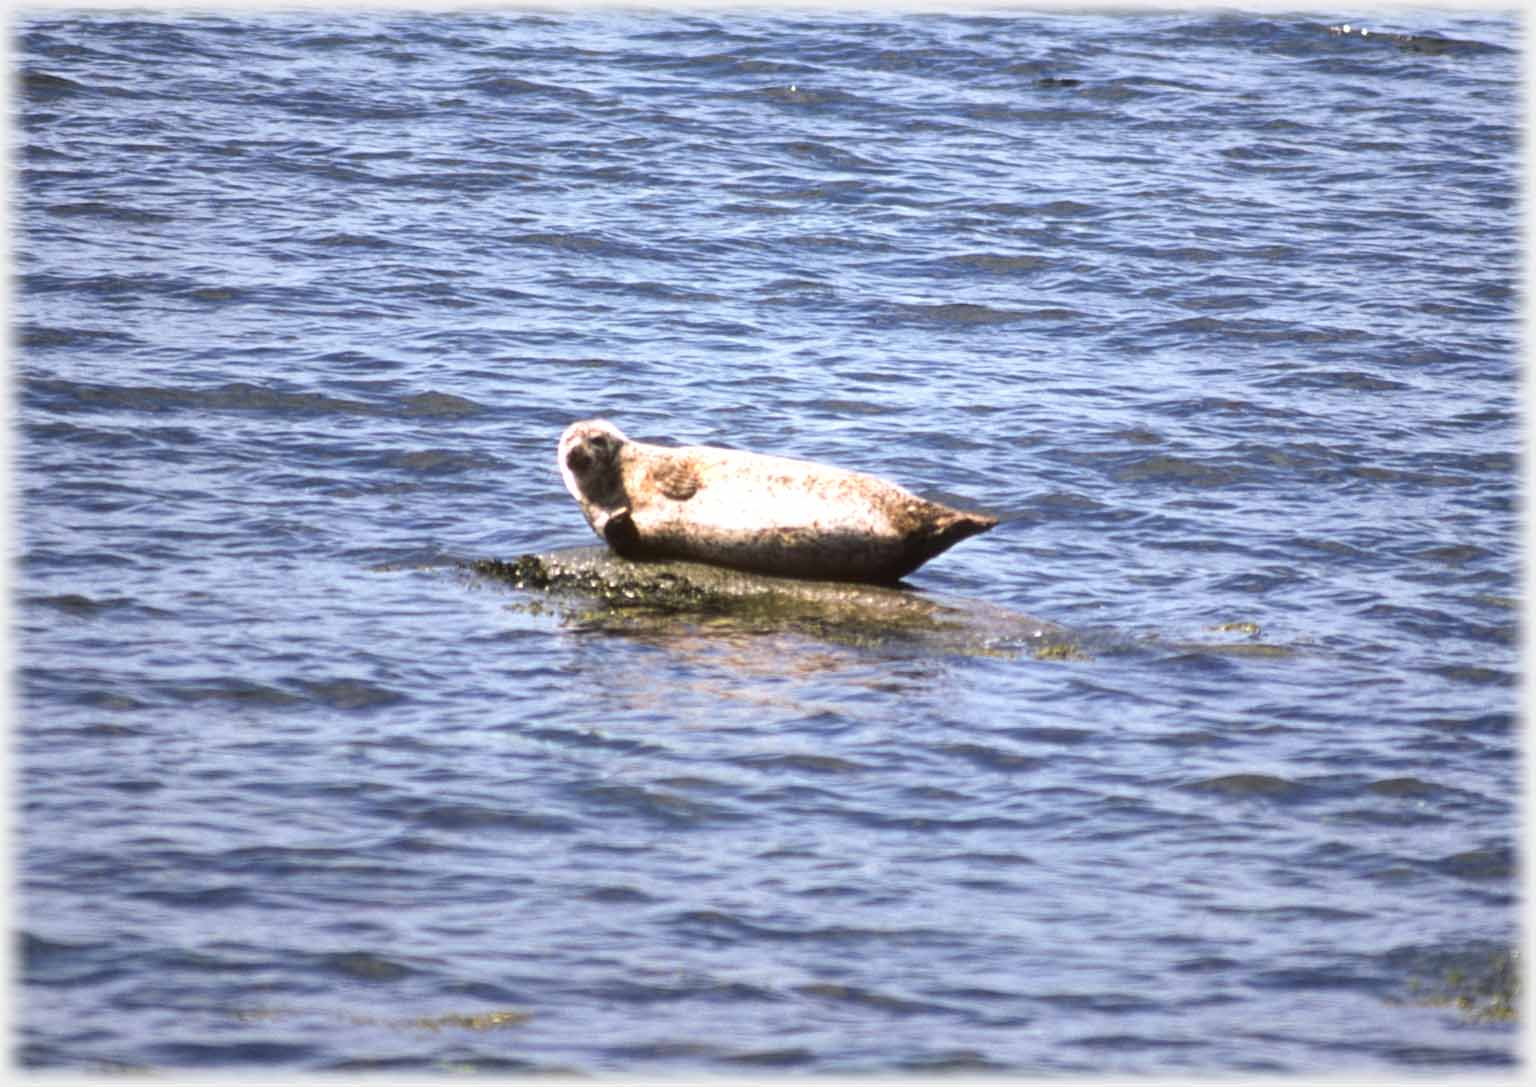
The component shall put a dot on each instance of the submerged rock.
(624, 594)
(1430, 44)
(597, 589)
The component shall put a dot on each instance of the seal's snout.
(598, 446)
(590, 442)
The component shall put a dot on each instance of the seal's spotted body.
(770, 515)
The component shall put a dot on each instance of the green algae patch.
(469, 1020)
(478, 1021)
(617, 582)
(1248, 644)
(1484, 989)
(1061, 651)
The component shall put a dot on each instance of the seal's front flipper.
(620, 532)
(677, 479)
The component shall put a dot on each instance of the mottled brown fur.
(771, 515)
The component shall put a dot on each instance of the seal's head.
(589, 464)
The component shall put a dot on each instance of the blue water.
(1217, 310)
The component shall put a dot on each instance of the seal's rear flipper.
(964, 526)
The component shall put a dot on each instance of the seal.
(749, 511)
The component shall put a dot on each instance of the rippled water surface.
(1217, 310)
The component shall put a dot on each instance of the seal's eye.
(601, 444)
